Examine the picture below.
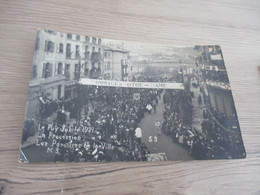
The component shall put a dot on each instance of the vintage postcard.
(101, 100)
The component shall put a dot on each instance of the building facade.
(211, 65)
(60, 59)
(107, 72)
(116, 64)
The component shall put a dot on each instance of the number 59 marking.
(152, 139)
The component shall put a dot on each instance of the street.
(164, 143)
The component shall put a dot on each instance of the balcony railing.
(94, 73)
(42, 81)
(95, 57)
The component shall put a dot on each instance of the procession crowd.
(177, 117)
(222, 134)
(219, 133)
(114, 116)
(214, 141)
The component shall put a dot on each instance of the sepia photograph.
(99, 100)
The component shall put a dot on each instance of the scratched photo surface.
(101, 100)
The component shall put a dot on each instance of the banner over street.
(109, 83)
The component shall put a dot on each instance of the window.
(34, 72)
(99, 65)
(86, 69)
(69, 36)
(105, 54)
(78, 37)
(99, 41)
(37, 44)
(93, 49)
(49, 46)
(47, 70)
(77, 71)
(68, 50)
(108, 65)
(94, 40)
(77, 55)
(68, 93)
(59, 91)
(67, 71)
(51, 32)
(99, 50)
(59, 71)
(86, 52)
(60, 48)
(86, 39)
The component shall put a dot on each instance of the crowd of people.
(114, 115)
(49, 107)
(177, 117)
(222, 133)
(215, 140)
(220, 137)
(217, 76)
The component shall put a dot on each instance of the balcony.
(94, 73)
(86, 72)
(44, 81)
(219, 85)
(95, 57)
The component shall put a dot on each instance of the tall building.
(116, 64)
(211, 64)
(60, 59)
(107, 72)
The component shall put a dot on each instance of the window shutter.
(56, 69)
(51, 67)
(58, 48)
(52, 46)
(43, 70)
(63, 68)
(46, 45)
